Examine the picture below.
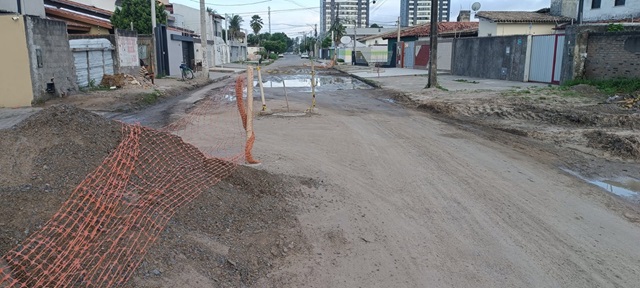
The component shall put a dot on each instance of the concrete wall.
(29, 7)
(487, 28)
(252, 53)
(576, 46)
(500, 57)
(127, 52)
(608, 10)
(566, 8)
(51, 58)
(102, 4)
(15, 77)
(613, 55)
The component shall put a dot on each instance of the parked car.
(304, 56)
(280, 55)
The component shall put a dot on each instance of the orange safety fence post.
(247, 115)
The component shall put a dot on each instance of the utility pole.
(433, 46)
(398, 40)
(203, 40)
(353, 53)
(269, 19)
(153, 38)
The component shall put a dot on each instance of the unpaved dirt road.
(408, 201)
(403, 200)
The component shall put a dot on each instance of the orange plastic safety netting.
(101, 233)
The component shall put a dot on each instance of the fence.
(93, 58)
(501, 57)
(102, 232)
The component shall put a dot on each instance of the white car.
(304, 56)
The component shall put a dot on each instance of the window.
(595, 4)
(619, 2)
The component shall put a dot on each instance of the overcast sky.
(296, 16)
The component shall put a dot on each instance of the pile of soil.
(617, 145)
(231, 235)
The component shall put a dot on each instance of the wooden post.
(264, 103)
(249, 102)
(286, 98)
(313, 86)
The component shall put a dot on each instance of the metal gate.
(546, 58)
(409, 54)
(92, 58)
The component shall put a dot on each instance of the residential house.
(503, 23)
(80, 18)
(597, 10)
(414, 51)
(37, 62)
(31, 7)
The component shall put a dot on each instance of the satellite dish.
(475, 6)
(345, 40)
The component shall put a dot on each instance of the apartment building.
(352, 13)
(416, 12)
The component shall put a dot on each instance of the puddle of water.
(339, 83)
(629, 188)
(624, 187)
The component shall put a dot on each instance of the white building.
(417, 12)
(352, 13)
(597, 10)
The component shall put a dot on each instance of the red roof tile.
(75, 17)
(444, 28)
(85, 7)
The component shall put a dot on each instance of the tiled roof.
(85, 7)
(444, 28)
(75, 17)
(521, 17)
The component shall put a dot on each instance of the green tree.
(256, 24)
(326, 43)
(374, 25)
(138, 12)
(275, 46)
(235, 31)
(338, 31)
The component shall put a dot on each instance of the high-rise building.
(416, 12)
(352, 13)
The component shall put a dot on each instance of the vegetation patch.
(609, 87)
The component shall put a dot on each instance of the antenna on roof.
(475, 7)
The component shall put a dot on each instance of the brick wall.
(612, 55)
(50, 58)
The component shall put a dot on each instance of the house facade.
(504, 23)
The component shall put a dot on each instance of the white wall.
(487, 28)
(376, 42)
(102, 4)
(189, 18)
(29, 7)
(607, 10)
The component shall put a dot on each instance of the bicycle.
(186, 72)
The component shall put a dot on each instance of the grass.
(150, 98)
(441, 88)
(609, 87)
(466, 81)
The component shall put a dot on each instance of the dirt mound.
(231, 235)
(586, 90)
(617, 145)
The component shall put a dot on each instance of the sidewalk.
(414, 80)
(113, 100)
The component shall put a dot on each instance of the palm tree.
(234, 27)
(256, 24)
(338, 31)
